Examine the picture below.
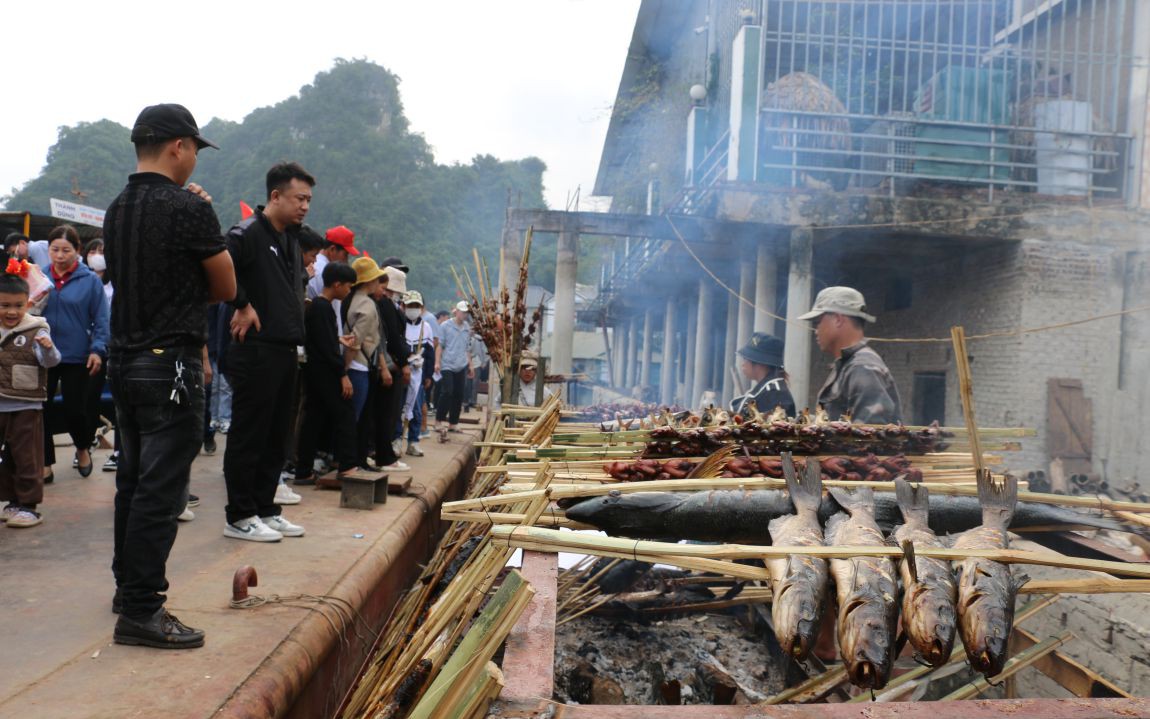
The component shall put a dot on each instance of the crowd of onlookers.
(373, 366)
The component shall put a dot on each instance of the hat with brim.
(396, 263)
(462, 307)
(763, 349)
(366, 270)
(529, 360)
(342, 236)
(413, 298)
(159, 123)
(840, 301)
(396, 280)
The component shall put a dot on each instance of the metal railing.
(823, 151)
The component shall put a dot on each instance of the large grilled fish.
(799, 583)
(867, 590)
(928, 588)
(986, 589)
(731, 515)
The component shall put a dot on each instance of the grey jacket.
(861, 385)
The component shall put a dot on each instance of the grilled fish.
(799, 583)
(731, 515)
(986, 589)
(928, 587)
(867, 590)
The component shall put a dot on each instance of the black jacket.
(269, 266)
(772, 391)
(394, 331)
(323, 355)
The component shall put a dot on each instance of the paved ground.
(58, 659)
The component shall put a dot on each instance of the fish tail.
(998, 501)
(806, 490)
(853, 499)
(913, 500)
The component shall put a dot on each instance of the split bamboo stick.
(1013, 665)
(551, 540)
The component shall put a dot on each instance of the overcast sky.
(511, 78)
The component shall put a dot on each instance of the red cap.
(340, 235)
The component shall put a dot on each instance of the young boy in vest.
(26, 353)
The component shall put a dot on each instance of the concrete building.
(760, 151)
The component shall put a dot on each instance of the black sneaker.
(112, 463)
(193, 500)
(161, 630)
(210, 444)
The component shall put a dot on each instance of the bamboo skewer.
(689, 555)
(567, 491)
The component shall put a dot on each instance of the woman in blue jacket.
(77, 312)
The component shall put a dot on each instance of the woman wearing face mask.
(77, 312)
(421, 341)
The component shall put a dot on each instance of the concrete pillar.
(746, 66)
(798, 338)
(730, 346)
(687, 387)
(621, 337)
(510, 257)
(766, 287)
(632, 374)
(667, 368)
(705, 336)
(648, 330)
(566, 265)
(746, 311)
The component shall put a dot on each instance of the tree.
(374, 174)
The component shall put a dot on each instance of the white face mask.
(413, 313)
(97, 263)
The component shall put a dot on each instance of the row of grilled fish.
(979, 600)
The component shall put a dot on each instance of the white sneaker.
(285, 495)
(396, 466)
(252, 529)
(187, 515)
(9, 512)
(397, 447)
(414, 450)
(281, 526)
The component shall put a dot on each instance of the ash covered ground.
(611, 660)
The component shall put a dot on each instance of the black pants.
(384, 404)
(72, 381)
(326, 414)
(263, 380)
(450, 396)
(160, 438)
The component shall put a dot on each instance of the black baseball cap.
(167, 122)
(396, 263)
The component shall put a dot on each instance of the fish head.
(931, 623)
(865, 641)
(620, 512)
(985, 635)
(797, 615)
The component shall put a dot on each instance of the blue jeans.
(415, 423)
(359, 390)
(221, 404)
(160, 437)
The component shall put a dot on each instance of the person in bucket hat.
(761, 362)
(860, 385)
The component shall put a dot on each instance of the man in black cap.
(761, 362)
(168, 260)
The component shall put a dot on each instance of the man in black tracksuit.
(262, 361)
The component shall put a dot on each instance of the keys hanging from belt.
(179, 390)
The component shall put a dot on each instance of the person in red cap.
(340, 244)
